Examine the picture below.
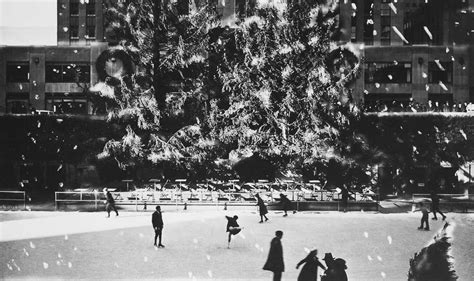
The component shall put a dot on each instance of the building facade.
(55, 78)
(412, 50)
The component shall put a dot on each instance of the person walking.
(424, 217)
(274, 261)
(157, 222)
(309, 272)
(286, 204)
(435, 205)
(232, 227)
(110, 203)
(262, 208)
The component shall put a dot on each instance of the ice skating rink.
(77, 245)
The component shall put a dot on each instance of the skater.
(262, 208)
(286, 203)
(435, 205)
(274, 261)
(345, 197)
(232, 227)
(157, 222)
(110, 205)
(424, 217)
(309, 272)
(336, 269)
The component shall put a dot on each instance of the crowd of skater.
(334, 268)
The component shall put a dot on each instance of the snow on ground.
(58, 245)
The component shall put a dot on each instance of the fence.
(13, 196)
(144, 197)
(462, 202)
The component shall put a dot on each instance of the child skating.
(232, 227)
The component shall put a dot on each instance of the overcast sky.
(28, 22)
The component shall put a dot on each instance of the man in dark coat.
(275, 262)
(232, 227)
(110, 205)
(435, 205)
(286, 203)
(309, 272)
(157, 221)
(262, 208)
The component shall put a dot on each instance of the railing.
(445, 195)
(143, 197)
(13, 196)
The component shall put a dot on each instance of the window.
(67, 73)
(74, 27)
(90, 8)
(440, 72)
(17, 103)
(354, 26)
(66, 103)
(74, 7)
(90, 27)
(387, 72)
(369, 22)
(18, 72)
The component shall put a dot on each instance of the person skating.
(286, 204)
(309, 272)
(424, 218)
(262, 208)
(435, 205)
(345, 198)
(275, 261)
(110, 205)
(232, 227)
(157, 222)
(336, 269)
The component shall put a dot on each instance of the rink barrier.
(142, 199)
(12, 196)
(464, 201)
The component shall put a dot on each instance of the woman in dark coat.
(309, 272)
(336, 269)
(274, 261)
(262, 208)
(286, 204)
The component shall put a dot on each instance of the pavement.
(46, 245)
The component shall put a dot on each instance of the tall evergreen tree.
(274, 85)
(285, 94)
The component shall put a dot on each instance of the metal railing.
(140, 197)
(13, 196)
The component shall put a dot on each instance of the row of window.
(74, 27)
(54, 72)
(401, 72)
(375, 72)
(74, 7)
(60, 103)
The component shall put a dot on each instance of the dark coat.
(336, 271)
(275, 257)
(309, 272)
(261, 206)
(231, 222)
(285, 202)
(110, 198)
(157, 219)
